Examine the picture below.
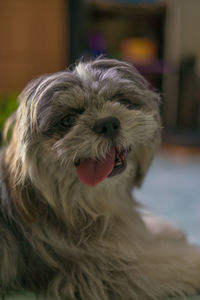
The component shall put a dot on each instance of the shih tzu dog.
(69, 228)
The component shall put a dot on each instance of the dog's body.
(69, 227)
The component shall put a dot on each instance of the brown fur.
(63, 239)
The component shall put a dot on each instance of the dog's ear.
(144, 159)
(8, 126)
(30, 89)
(24, 96)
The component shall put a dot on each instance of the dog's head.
(97, 123)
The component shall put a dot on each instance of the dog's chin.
(93, 171)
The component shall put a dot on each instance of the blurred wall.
(182, 40)
(183, 25)
(33, 40)
(190, 21)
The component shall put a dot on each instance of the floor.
(171, 189)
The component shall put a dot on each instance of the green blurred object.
(8, 105)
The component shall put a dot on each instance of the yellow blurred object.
(139, 50)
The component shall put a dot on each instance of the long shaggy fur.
(63, 239)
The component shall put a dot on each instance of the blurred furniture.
(130, 31)
(161, 38)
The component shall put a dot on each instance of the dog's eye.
(67, 121)
(129, 104)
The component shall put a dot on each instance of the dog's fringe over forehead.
(105, 69)
(116, 76)
(86, 75)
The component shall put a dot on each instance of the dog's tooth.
(118, 163)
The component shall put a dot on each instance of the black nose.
(108, 127)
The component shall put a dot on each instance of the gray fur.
(63, 239)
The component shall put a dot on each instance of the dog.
(80, 141)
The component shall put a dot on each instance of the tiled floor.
(172, 190)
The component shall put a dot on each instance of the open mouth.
(120, 163)
(91, 171)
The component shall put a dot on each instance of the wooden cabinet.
(33, 40)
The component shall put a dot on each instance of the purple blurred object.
(97, 43)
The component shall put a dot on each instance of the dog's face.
(98, 123)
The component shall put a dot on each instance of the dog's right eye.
(67, 122)
(64, 123)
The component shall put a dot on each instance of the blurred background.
(161, 38)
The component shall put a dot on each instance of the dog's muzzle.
(92, 171)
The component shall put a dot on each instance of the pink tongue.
(92, 172)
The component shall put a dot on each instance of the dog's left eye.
(67, 121)
(129, 104)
